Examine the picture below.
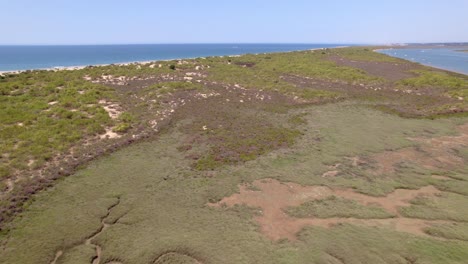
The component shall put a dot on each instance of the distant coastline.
(22, 58)
(381, 49)
(80, 67)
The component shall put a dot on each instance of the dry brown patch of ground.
(273, 197)
(392, 201)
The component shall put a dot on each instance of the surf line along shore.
(145, 62)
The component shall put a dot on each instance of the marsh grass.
(449, 206)
(163, 200)
(457, 231)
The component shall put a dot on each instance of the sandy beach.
(144, 62)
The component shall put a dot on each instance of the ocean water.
(451, 59)
(44, 57)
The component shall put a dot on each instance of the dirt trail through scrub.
(89, 241)
(274, 197)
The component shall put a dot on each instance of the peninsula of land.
(324, 156)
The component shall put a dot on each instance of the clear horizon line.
(236, 43)
(197, 43)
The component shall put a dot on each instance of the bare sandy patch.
(331, 173)
(114, 110)
(356, 161)
(273, 197)
(391, 202)
(30, 162)
(109, 134)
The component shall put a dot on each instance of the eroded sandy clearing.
(114, 110)
(273, 197)
(109, 134)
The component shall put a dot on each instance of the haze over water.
(42, 57)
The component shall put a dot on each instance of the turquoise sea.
(452, 59)
(43, 57)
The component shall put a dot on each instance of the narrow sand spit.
(274, 197)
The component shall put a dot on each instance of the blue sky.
(240, 21)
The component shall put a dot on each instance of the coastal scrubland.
(324, 156)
